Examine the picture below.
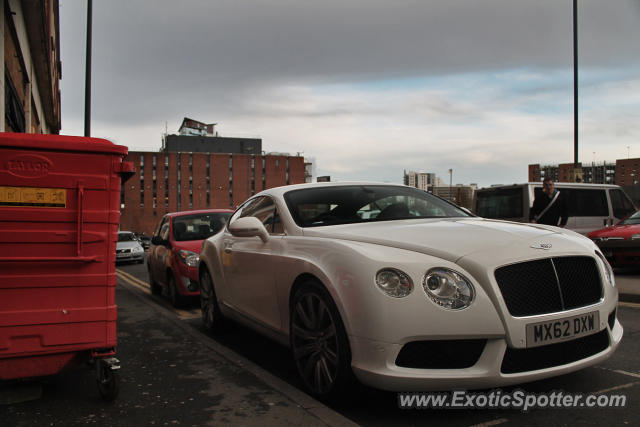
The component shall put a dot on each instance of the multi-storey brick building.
(623, 172)
(178, 181)
(30, 57)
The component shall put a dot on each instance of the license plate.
(567, 328)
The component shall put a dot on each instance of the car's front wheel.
(155, 288)
(212, 318)
(319, 343)
(174, 295)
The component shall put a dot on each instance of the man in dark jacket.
(549, 206)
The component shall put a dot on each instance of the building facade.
(179, 181)
(32, 68)
(624, 172)
(461, 195)
(421, 180)
(198, 137)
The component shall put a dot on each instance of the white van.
(589, 206)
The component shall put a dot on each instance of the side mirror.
(249, 226)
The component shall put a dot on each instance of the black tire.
(174, 296)
(212, 318)
(319, 343)
(155, 288)
(108, 382)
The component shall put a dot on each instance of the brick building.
(32, 69)
(624, 172)
(178, 181)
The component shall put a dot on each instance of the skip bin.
(59, 215)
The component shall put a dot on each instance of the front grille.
(440, 354)
(549, 285)
(531, 359)
(123, 251)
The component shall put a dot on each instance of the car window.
(198, 226)
(331, 205)
(264, 209)
(164, 231)
(500, 203)
(160, 225)
(633, 219)
(620, 203)
(126, 237)
(583, 202)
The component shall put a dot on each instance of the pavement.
(171, 374)
(628, 283)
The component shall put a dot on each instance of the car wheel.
(212, 318)
(155, 288)
(319, 343)
(174, 296)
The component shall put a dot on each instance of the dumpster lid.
(52, 142)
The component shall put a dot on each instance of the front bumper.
(374, 364)
(187, 279)
(129, 256)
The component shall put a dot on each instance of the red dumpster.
(59, 214)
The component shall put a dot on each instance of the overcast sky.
(367, 88)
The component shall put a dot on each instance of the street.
(191, 381)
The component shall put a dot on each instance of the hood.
(450, 239)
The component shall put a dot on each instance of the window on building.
(13, 112)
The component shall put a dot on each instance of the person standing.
(549, 207)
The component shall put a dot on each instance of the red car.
(174, 253)
(620, 243)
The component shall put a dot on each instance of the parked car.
(173, 256)
(145, 241)
(128, 248)
(421, 296)
(620, 244)
(590, 206)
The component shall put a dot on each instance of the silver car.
(128, 248)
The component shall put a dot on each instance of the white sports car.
(408, 291)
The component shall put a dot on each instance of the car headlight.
(394, 282)
(448, 288)
(608, 271)
(137, 249)
(189, 258)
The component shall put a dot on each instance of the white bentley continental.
(405, 291)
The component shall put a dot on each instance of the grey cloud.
(167, 55)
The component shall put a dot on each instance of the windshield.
(313, 207)
(126, 237)
(198, 226)
(633, 219)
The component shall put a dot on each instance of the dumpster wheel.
(108, 378)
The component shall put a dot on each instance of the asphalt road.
(618, 375)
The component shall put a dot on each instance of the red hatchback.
(620, 243)
(174, 253)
